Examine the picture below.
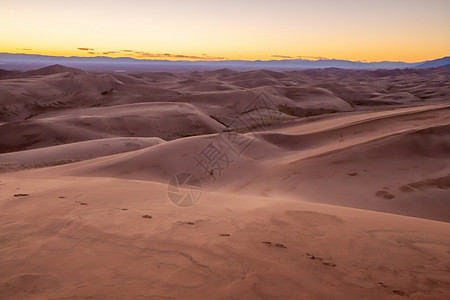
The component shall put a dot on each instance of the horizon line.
(223, 60)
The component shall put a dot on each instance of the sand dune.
(326, 184)
(384, 152)
(73, 152)
(140, 119)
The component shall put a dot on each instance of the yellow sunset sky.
(395, 30)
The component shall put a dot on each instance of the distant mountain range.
(25, 62)
(441, 62)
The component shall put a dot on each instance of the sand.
(341, 191)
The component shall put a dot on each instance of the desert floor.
(316, 184)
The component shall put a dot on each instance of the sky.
(359, 30)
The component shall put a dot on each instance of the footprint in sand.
(185, 223)
(352, 174)
(385, 195)
(147, 217)
(61, 197)
(224, 234)
(278, 245)
(399, 292)
(83, 203)
(313, 257)
(21, 195)
(389, 196)
(326, 263)
(124, 208)
(329, 264)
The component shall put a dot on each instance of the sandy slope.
(348, 160)
(342, 192)
(53, 247)
(66, 153)
(162, 120)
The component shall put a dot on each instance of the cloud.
(194, 57)
(308, 57)
(282, 56)
(143, 54)
(312, 57)
(149, 55)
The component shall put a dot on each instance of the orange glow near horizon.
(400, 30)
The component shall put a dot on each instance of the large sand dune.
(334, 184)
